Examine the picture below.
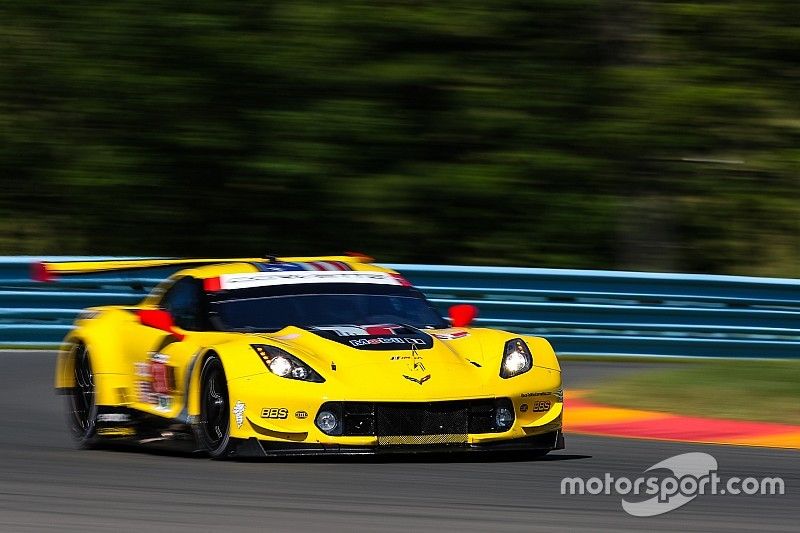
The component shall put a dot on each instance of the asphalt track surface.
(46, 484)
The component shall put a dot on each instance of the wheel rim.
(83, 397)
(215, 405)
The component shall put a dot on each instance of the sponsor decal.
(523, 407)
(538, 407)
(279, 267)
(416, 365)
(238, 413)
(122, 394)
(141, 370)
(415, 361)
(164, 401)
(531, 394)
(417, 358)
(116, 432)
(113, 417)
(383, 329)
(355, 331)
(145, 394)
(274, 412)
(300, 414)
(450, 335)
(161, 383)
(375, 336)
(343, 330)
(386, 340)
(268, 279)
(300, 266)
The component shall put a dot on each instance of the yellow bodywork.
(279, 409)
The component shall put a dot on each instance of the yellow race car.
(301, 356)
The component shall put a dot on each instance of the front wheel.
(213, 429)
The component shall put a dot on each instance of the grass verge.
(742, 390)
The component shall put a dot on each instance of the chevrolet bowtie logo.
(421, 380)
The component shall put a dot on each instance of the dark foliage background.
(570, 133)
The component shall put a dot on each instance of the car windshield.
(312, 305)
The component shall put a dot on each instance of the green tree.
(570, 133)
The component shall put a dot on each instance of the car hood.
(391, 362)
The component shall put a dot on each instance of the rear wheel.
(213, 429)
(81, 404)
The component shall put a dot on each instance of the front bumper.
(277, 417)
(545, 442)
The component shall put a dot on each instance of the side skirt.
(128, 425)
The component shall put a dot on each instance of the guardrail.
(582, 312)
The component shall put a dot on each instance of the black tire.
(81, 401)
(213, 428)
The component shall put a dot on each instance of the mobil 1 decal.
(375, 336)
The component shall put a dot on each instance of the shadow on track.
(400, 458)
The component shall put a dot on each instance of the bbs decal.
(274, 412)
(541, 406)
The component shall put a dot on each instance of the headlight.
(329, 419)
(280, 366)
(327, 422)
(503, 418)
(283, 364)
(517, 359)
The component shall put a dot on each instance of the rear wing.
(49, 270)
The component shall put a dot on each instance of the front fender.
(492, 342)
(544, 355)
(239, 360)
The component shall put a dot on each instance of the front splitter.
(253, 447)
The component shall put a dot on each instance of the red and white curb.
(584, 416)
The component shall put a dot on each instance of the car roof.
(247, 267)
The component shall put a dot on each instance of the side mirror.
(462, 315)
(159, 319)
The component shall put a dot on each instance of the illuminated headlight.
(280, 366)
(517, 359)
(299, 372)
(283, 364)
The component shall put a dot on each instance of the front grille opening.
(419, 423)
(358, 419)
(439, 418)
